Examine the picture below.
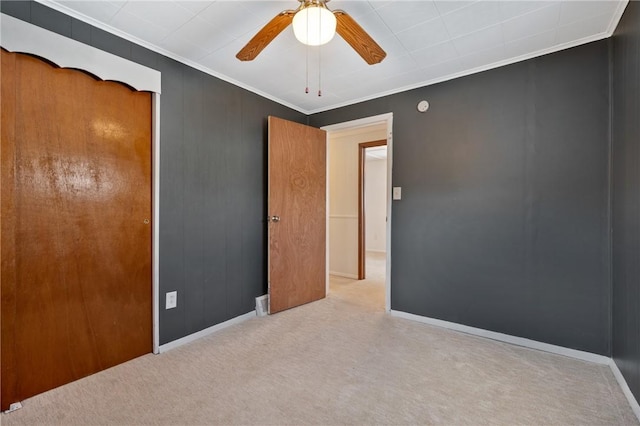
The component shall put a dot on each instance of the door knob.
(275, 218)
(146, 221)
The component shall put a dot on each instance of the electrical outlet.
(172, 300)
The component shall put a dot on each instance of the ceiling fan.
(308, 20)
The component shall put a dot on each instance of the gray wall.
(504, 217)
(626, 197)
(505, 213)
(212, 174)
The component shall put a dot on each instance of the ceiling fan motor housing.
(314, 24)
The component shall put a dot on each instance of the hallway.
(367, 293)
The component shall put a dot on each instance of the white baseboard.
(625, 388)
(343, 275)
(206, 331)
(519, 341)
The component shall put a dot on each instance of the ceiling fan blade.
(266, 35)
(358, 38)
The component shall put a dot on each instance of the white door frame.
(22, 37)
(353, 124)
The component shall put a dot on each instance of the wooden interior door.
(297, 214)
(76, 232)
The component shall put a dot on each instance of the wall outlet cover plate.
(172, 300)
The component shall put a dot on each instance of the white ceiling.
(426, 41)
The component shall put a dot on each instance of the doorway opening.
(353, 271)
(372, 206)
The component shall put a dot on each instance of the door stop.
(13, 407)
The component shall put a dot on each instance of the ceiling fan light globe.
(314, 25)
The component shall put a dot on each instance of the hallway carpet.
(340, 360)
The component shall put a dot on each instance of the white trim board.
(155, 212)
(23, 37)
(506, 338)
(361, 122)
(207, 331)
(327, 220)
(532, 344)
(625, 388)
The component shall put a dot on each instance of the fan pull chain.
(306, 90)
(319, 72)
(319, 59)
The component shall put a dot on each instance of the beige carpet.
(341, 360)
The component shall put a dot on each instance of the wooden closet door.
(76, 225)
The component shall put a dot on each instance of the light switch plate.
(397, 193)
(172, 300)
